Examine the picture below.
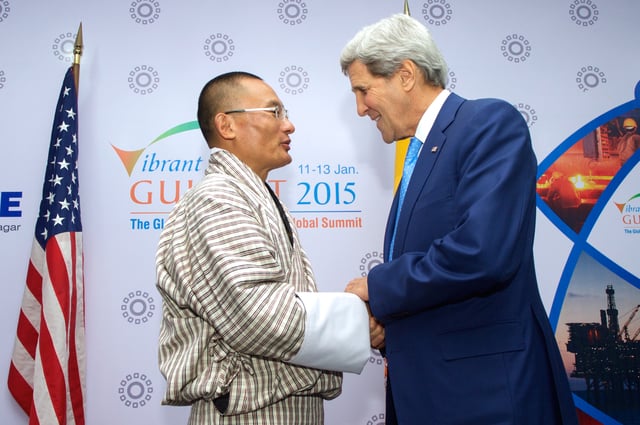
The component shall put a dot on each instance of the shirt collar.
(430, 115)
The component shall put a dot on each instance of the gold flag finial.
(77, 52)
(77, 48)
(406, 8)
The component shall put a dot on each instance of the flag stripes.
(47, 371)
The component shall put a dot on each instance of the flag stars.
(60, 205)
(63, 126)
(57, 220)
(57, 180)
(64, 164)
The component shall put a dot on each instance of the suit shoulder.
(490, 110)
(488, 103)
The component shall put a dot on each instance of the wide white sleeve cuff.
(336, 333)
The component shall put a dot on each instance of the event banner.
(571, 67)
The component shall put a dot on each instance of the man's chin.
(285, 161)
(387, 138)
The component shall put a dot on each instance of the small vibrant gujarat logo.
(129, 158)
(159, 178)
(630, 214)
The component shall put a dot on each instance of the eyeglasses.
(279, 112)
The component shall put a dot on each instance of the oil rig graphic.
(607, 357)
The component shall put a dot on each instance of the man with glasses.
(245, 336)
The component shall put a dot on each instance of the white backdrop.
(564, 63)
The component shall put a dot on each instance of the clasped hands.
(359, 287)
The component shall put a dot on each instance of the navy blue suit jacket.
(468, 340)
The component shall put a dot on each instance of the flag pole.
(77, 53)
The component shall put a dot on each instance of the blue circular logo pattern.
(145, 11)
(378, 419)
(590, 77)
(294, 80)
(437, 12)
(516, 48)
(3, 79)
(63, 46)
(219, 47)
(5, 8)
(135, 390)
(143, 79)
(376, 358)
(583, 12)
(292, 12)
(528, 113)
(369, 261)
(451, 84)
(137, 307)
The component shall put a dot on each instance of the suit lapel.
(429, 154)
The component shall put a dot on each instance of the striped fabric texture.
(228, 274)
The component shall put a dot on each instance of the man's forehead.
(360, 77)
(260, 90)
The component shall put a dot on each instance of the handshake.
(358, 286)
(339, 329)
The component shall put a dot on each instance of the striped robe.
(228, 274)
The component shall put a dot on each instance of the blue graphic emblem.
(587, 188)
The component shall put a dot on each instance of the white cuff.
(336, 335)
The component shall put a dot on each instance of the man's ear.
(408, 72)
(224, 125)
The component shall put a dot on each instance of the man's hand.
(376, 332)
(359, 287)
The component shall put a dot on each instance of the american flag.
(47, 371)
